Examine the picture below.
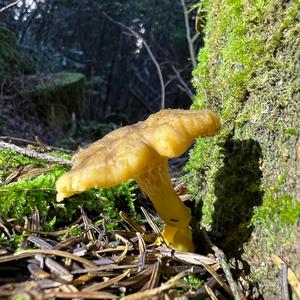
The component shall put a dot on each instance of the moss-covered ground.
(244, 181)
(26, 184)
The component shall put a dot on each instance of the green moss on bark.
(248, 72)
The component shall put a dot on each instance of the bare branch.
(195, 37)
(37, 143)
(186, 88)
(188, 34)
(141, 79)
(34, 154)
(139, 98)
(9, 6)
(138, 36)
(221, 259)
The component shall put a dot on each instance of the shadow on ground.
(238, 191)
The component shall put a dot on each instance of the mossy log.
(58, 97)
(244, 181)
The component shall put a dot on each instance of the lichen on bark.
(244, 181)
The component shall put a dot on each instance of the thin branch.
(32, 252)
(186, 88)
(188, 34)
(210, 292)
(221, 259)
(139, 98)
(284, 284)
(158, 290)
(194, 38)
(9, 6)
(34, 154)
(37, 143)
(141, 79)
(138, 36)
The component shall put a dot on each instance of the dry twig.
(292, 278)
(188, 34)
(156, 291)
(123, 261)
(34, 154)
(9, 6)
(28, 253)
(139, 37)
(37, 143)
(220, 256)
(183, 83)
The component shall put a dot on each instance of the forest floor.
(86, 260)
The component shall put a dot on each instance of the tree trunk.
(244, 181)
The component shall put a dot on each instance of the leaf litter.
(98, 263)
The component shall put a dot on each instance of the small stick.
(50, 233)
(86, 223)
(154, 279)
(186, 88)
(142, 250)
(9, 6)
(136, 227)
(110, 267)
(101, 285)
(82, 295)
(158, 290)
(283, 275)
(27, 253)
(218, 279)
(292, 278)
(37, 143)
(34, 154)
(210, 292)
(221, 258)
(138, 36)
(188, 34)
(154, 227)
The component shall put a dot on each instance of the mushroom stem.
(157, 185)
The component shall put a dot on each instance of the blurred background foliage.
(122, 84)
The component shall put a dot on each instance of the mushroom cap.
(128, 152)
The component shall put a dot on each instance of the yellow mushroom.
(141, 152)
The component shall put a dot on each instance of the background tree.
(76, 35)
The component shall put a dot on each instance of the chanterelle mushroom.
(141, 152)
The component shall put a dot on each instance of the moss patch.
(248, 71)
(13, 61)
(277, 214)
(20, 197)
